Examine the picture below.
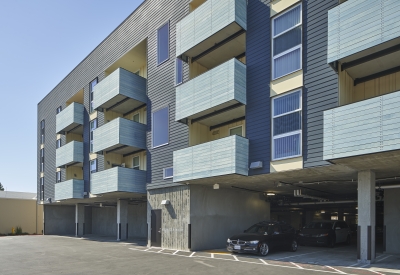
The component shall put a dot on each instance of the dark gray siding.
(258, 62)
(320, 81)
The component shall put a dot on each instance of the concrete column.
(79, 219)
(366, 217)
(122, 220)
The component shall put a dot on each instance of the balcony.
(226, 156)
(213, 32)
(71, 154)
(70, 189)
(217, 96)
(121, 136)
(118, 179)
(363, 35)
(120, 92)
(366, 127)
(70, 119)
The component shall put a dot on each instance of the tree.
(1, 187)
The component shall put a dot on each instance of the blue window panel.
(178, 71)
(168, 172)
(287, 40)
(288, 146)
(287, 20)
(160, 127)
(287, 123)
(287, 63)
(287, 103)
(163, 43)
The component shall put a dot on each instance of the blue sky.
(41, 41)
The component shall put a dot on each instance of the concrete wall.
(218, 214)
(59, 220)
(24, 213)
(104, 221)
(137, 221)
(392, 220)
(88, 220)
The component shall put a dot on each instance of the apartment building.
(194, 119)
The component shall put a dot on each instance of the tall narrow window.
(160, 127)
(136, 162)
(178, 71)
(136, 117)
(286, 126)
(91, 87)
(42, 132)
(93, 126)
(42, 160)
(163, 43)
(287, 47)
(59, 109)
(41, 191)
(93, 166)
(58, 143)
(58, 176)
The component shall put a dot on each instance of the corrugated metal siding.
(211, 17)
(72, 115)
(70, 189)
(120, 82)
(119, 179)
(215, 158)
(320, 90)
(357, 25)
(258, 62)
(69, 153)
(119, 131)
(217, 86)
(366, 127)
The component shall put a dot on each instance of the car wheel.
(332, 242)
(264, 249)
(348, 240)
(293, 247)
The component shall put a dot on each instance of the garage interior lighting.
(322, 211)
(270, 194)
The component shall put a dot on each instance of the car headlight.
(301, 234)
(253, 242)
(228, 240)
(323, 235)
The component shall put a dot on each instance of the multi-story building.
(194, 119)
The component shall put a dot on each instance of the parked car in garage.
(326, 233)
(262, 237)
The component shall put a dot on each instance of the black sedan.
(325, 233)
(262, 237)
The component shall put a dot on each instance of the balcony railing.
(118, 179)
(69, 154)
(70, 189)
(120, 92)
(222, 88)
(120, 136)
(220, 157)
(365, 127)
(70, 119)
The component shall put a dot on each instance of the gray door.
(156, 227)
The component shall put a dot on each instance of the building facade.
(193, 120)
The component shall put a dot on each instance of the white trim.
(164, 177)
(158, 50)
(152, 127)
(234, 128)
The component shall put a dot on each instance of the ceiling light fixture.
(270, 194)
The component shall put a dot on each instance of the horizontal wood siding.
(365, 127)
(357, 25)
(225, 83)
(70, 189)
(119, 131)
(120, 82)
(215, 158)
(69, 153)
(208, 19)
(70, 117)
(119, 179)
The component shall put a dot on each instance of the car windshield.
(264, 229)
(320, 225)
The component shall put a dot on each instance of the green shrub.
(18, 230)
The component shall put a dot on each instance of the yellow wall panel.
(142, 115)
(224, 130)
(71, 137)
(278, 6)
(195, 69)
(110, 115)
(93, 115)
(397, 80)
(198, 133)
(111, 158)
(287, 83)
(286, 164)
(128, 160)
(73, 172)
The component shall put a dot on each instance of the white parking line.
(203, 263)
(384, 258)
(212, 255)
(191, 255)
(264, 262)
(337, 270)
(236, 259)
(353, 264)
(175, 252)
(160, 251)
(297, 255)
(297, 265)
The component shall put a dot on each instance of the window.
(42, 132)
(168, 173)
(236, 131)
(286, 42)
(286, 126)
(42, 160)
(41, 189)
(91, 87)
(136, 163)
(160, 127)
(93, 166)
(59, 109)
(58, 143)
(136, 117)
(163, 43)
(58, 176)
(178, 71)
(93, 126)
